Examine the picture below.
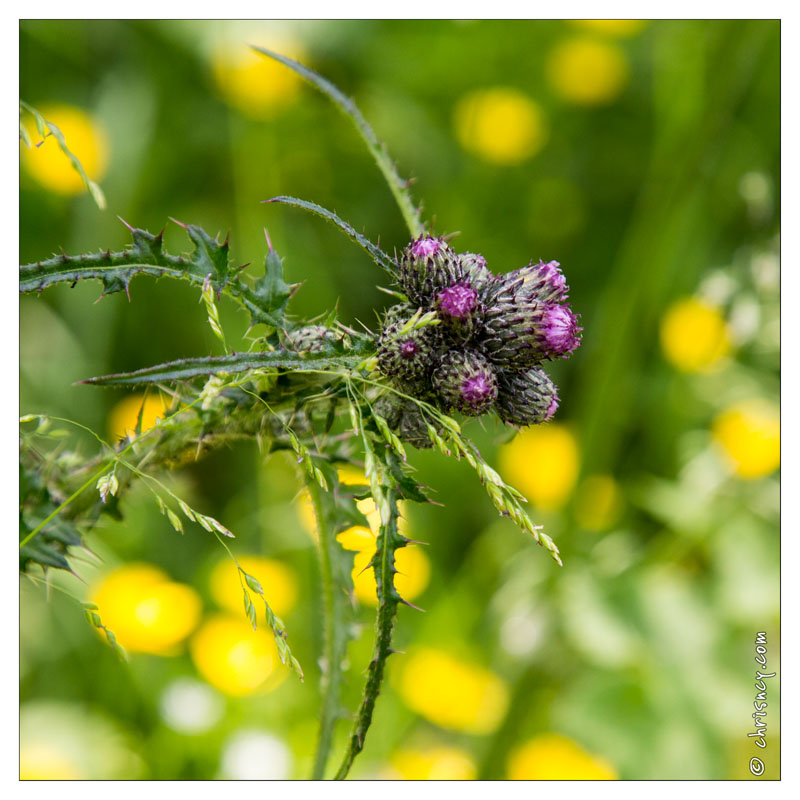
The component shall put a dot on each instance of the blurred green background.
(642, 156)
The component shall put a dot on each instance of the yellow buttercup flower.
(451, 692)
(85, 138)
(278, 581)
(234, 658)
(587, 71)
(43, 762)
(598, 502)
(550, 757)
(253, 83)
(502, 125)
(147, 612)
(750, 436)
(694, 335)
(413, 567)
(621, 28)
(434, 764)
(123, 417)
(542, 462)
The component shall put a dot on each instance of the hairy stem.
(335, 641)
(383, 564)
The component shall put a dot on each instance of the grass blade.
(46, 128)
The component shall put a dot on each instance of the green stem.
(383, 564)
(335, 641)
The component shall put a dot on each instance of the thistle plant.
(461, 340)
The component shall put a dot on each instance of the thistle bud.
(474, 272)
(523, 333)
(459, 309)
(542, 282)
(465, 380)
(406, 355)
(526, 398)
(426, 265)
(311, 339)
(405, 419)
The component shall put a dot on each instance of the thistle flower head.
(425, 246)
(457, 302)
(560, 332)
(310, 338)
(495, 330)
(466, 381)
(520, 335)
(543, 282)
(427, 265)
(459, 310)
(402, 353)
(526, 398)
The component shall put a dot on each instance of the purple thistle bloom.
(559, 330)
(477, 390)
(553, 283)
(425, 246)
(520, 333)
(409, 349)
(552, 409)
(543, 283)
(457, 302)
(405, 357)
(426, 266)
(465, 380)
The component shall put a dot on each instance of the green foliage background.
(646, 655)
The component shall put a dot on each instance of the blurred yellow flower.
(147, 612)
(234, 658)
(66, 741)
(502, 125)
(542, 462)
(85, 138)
(348, 475)
(357, 538)
(278, 581)
(352, 475)
(550, 757)
(123, 417)
(694, 335)
(413, 567)
(587, 71)
(252, 83)
(434, 764)
(750, 434)
(451, 692)
(598, 502)
(43, 762)
(611, 27)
